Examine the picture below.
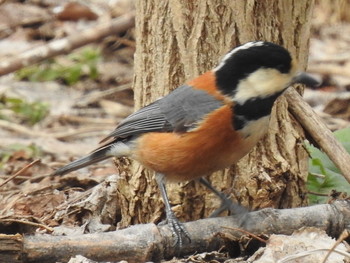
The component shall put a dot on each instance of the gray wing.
(177, 112)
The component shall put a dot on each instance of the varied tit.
(205, 125)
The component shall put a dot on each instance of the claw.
(178, 229)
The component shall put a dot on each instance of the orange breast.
(211, 147)
(206, 82)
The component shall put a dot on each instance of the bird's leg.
(226, 203)
(175, 225)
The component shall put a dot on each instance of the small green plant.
(70, 69)
(27, 112)
(30, 151)
(323, 175)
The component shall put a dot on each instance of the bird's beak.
(306, 79)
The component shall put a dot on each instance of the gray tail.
(96, 156)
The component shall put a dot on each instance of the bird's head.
(257, 70)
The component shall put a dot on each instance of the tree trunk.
(178, 40)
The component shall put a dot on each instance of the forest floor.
(57, 110)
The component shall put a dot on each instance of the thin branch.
(247, 233)
(21, 171)
(307, 253)
(66, 45)
(319, 132)
(342, 237)
(50, 229)
(85, 131)
(316, 193)
(97, 95)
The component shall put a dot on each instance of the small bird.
(205, 125)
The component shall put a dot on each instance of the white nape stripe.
(261, 83)
(229, 54)
(119, 149)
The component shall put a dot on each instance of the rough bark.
(176, 41)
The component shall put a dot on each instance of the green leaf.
(71, 73)
(29, 112)
(343, 136)
(320, 164)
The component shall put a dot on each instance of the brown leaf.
(75, 11)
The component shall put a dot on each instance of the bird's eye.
(282, 68)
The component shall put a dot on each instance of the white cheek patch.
(261, 83)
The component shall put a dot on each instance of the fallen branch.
(65, 45)
(313, 124)
(148, 242)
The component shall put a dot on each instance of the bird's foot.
(227, 204)
(178, 229)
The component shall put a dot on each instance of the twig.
(65, 45)
(126, 42)
(20, 129)
(57, 135)
(318, 131)
(50, 229)
(80, 131)
(318, 194)
(247, 233)
(76, 199)
(321, 176)
(95, 96)
(343, 236)
(18, 177)
(306, 253)
(25, 168)
(81, 119)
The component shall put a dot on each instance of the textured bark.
(178, 40)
